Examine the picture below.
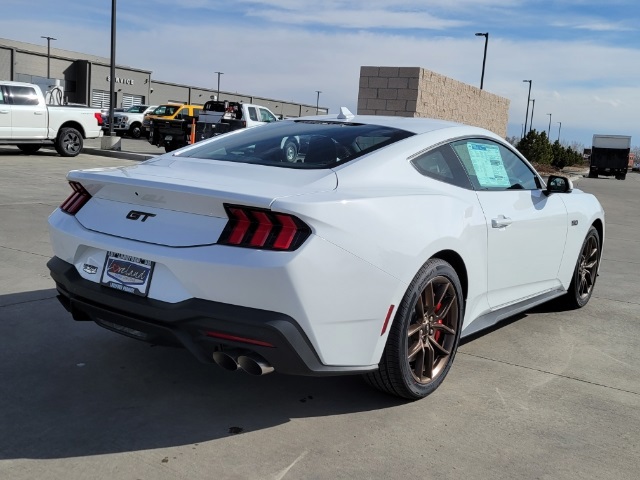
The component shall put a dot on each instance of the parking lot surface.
(548, 395)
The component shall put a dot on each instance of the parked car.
(129, 122)
(374, 253)
(27, 122)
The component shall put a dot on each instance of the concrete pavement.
(548, 395)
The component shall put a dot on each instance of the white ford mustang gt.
(370, 251)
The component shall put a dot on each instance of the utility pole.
(317, 100)
(49, 55)
(112, 77)
(549, 131)
(559, 127)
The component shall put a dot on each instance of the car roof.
(417, 125)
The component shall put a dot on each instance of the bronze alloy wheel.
(585, 273)
(587, 267)
(424, 336)
(432, 331)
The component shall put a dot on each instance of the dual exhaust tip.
(250, 362)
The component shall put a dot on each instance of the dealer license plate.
(127, 273)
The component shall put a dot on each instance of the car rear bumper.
(191, 323)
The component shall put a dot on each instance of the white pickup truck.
(29, 123)
(130, 121)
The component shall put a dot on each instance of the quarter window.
(442, 164)
(253, 115)
(492, 166)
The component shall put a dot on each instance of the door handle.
(501, 222)
(4, 111)
(38, 113)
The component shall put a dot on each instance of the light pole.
(112, 77)
(484, 59)
(219, 73)
(318, 100)
(559, 127)
(533, 101)
(49, 55)
(549, 131)
(526, 116)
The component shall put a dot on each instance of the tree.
(536, 148)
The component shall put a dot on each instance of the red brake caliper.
(438, 333)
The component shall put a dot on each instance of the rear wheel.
(424, 336)
(28, 148)
(585, 273)
(69, 142)
(593, 174)
(290, 151)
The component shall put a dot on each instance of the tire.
(135, 131)
(593, 174)
(69, 142)
(290, 151)
(29, 148)
(585, 272)
(623, 176)
(424, 336)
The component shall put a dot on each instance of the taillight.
(98, 118)
(76, 200)
(260, 228)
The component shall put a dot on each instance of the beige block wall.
(417, 92)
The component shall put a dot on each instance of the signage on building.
(126, 81)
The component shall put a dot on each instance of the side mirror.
(557, 184)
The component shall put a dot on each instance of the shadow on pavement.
(72, 389)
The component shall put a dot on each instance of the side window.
(265, 116)
(196, 112)
(441, 164)
(492, 166)
(22, 95)
(253, 115)
(1, 97)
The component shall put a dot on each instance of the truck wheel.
(593, 174)
(69, 142)
(28, 148)
(135, 131)
(290, 151)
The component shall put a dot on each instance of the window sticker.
(487, 162)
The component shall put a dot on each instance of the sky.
(583, 56)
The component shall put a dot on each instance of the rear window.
(319, 144)
(166, 110)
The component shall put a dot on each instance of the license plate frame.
(127, 273)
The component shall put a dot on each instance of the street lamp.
(484, 59)
(219, 73)
(559, 127)
(49, 55)
(533, 101)
(317, 100)
(549, 131)
(112, 70)
(526, 116)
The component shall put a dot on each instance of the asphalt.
(548, 395)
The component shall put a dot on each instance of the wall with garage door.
(418, 92)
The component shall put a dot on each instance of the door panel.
(29, 117)
(527, 231)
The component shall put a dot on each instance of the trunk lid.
(179, 202)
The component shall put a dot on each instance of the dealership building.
(85, 79)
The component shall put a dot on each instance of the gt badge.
(142, 216)
(90, 269)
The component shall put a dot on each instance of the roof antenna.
(345, 114)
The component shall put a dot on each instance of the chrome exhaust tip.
(254, 364)
(227, 360)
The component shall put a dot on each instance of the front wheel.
(135, 131)
(69, 142)
(585, 273)
(424, 336)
